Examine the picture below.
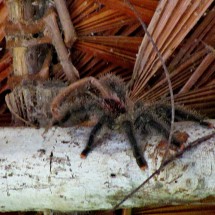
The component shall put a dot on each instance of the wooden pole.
(44, 171)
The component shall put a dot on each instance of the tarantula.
(108, 100)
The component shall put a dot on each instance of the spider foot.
(85, 152)
(83, 156)
(208, 124)
(141, 162)
(143, 168)
(178, 141)
(181, 137)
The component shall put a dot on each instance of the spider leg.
(146, 121)
(184, 114)
(62, 95)
(136, 151)
(95, 130)
(74, 117)
(181, 113)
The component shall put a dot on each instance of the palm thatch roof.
(109, 36)
(110, 39)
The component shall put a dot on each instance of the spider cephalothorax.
(107, 100)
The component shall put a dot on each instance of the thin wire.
(166, 73)
(171, 98)
(165, 163)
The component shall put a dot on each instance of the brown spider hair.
(106, 99)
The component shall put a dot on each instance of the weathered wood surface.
(39, 172)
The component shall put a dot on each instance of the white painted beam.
(29, 180)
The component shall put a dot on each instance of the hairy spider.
(106, 99)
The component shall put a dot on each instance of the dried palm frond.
(5, 57)
(5, 68)
(191, 65)
(171, 23)
(5, 64)
(3, 12)
(108, 35)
